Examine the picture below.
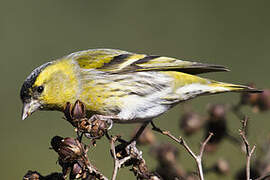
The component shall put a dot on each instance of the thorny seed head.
(190, 122)
(69, 149)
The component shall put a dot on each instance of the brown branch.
(127, 154)
(249, 151)
(93, 170)
(180, 140)
(117, 163)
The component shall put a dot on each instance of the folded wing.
(117, 61)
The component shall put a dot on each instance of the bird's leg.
(139, 132)
(155, 128)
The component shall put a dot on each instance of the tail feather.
(188, 86)
(236, 88)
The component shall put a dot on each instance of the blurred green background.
(32, 32)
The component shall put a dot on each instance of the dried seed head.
(217, 112)
(190, 123)
(84, 125)
(249, 98)
(222, 167)
(98, 129)
(260, 101)
(66, 166)
(32, 175)
(78, 110)
(171, 171)
(67, 111)
(264, 100)
(69, 149)
(56, 142)
(76, 113)
(78, 170)
(219, 128)
(192, 176)
(165, 153)
(216, 124)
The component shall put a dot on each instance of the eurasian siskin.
(126, 86)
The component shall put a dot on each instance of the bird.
(120, 85)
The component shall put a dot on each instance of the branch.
(180, 140)
(93, 170)
(249, 151)
(117, 163)
(127, 154)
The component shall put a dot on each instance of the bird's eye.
(40, 89)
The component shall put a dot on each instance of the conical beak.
(29, 108)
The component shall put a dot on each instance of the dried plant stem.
(92, 169)
(249, 151)
(180, 140)
(97, 173)
(117, 163)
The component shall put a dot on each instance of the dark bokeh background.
(231, 33)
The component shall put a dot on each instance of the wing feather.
(118, 61)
